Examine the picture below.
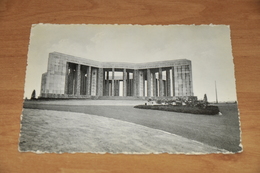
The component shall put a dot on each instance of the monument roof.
(155, 64)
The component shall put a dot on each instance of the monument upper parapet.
(155, 64)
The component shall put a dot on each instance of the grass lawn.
(59, 131)
(221, 131)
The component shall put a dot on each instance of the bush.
(159, 101)
(209, 110)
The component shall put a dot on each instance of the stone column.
(154, 85)
(173, 82)
(116, 84)
(176, 81)
(113, 82)
(128, 88)
(124, 82)
(148, 83)
(94, 82)
(78, 80)
(89, 80)
(140, 83)
(107, 84)
(131, 87)
(135, 81)
(164, 88)
(104, 82)
(100, 82)
(168, 83)
(144, 83)
(160, 83)
(66, 78)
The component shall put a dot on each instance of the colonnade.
(150, 82)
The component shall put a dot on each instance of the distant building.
(73, 77)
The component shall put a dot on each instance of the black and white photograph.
(130, 89)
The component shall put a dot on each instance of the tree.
(205, 100)
(33, 96)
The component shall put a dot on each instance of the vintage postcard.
(132, 89)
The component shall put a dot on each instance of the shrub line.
(209, 110)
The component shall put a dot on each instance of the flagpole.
(216, 92)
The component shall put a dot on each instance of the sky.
(207, 46)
